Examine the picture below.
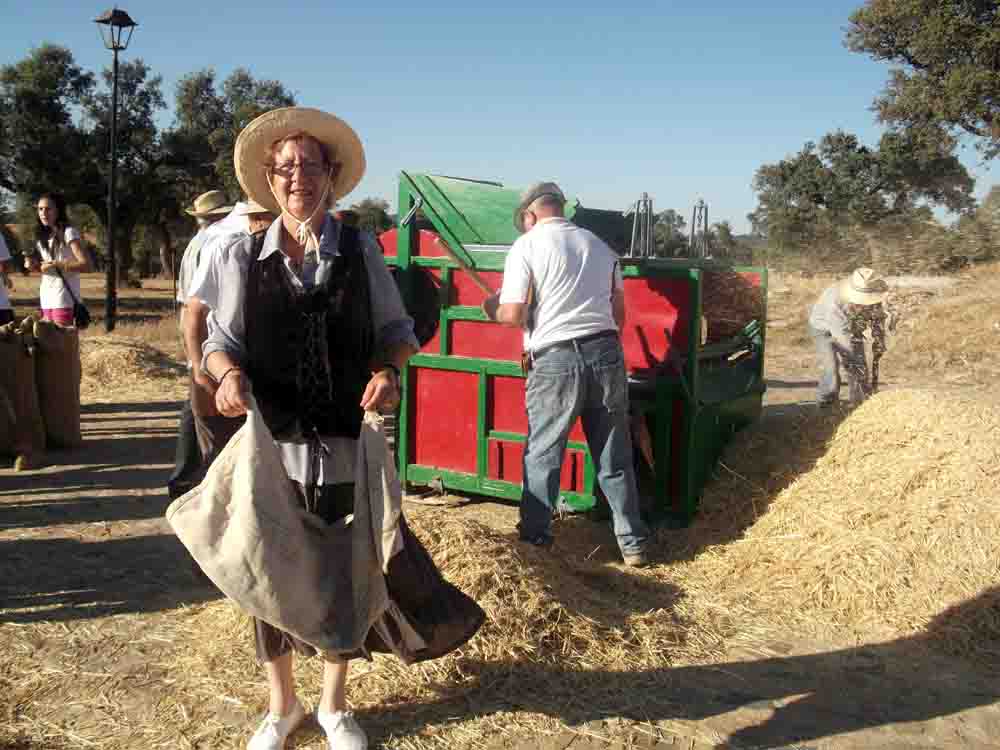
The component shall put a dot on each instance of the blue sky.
(683, 100)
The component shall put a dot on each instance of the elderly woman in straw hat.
(308, 319)
(837, 324)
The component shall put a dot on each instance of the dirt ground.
(84, 539)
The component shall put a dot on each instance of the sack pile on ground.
(39, 390)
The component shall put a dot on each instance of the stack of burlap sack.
(39, 390)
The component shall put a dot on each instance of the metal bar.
(111, 274)
(632, 250)
(482, 457)
(451, 241)
(502, 367)
(473, 274)
(444, 332)
(412, 212)
(404, 240)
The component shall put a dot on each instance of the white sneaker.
(342, 730)
(274, 730)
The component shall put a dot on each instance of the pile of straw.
(546, 614)
(113, 361)
(897, 522)
(957, 337)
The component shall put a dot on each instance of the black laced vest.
(309, 353)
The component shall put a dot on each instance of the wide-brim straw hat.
(532, 194)
(252, 207)
(211, 203)
(253, 150)
(863, 287)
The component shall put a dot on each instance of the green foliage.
(948, 58)
(57, 138)
(40, 144)
(804, 199)
(209, 120)
(668, 234)
(55, 135)
(373, 215)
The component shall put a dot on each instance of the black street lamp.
(113, 24)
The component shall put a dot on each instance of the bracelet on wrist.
(223, 376)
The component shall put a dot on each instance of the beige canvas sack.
(245, 527)
(17, 379)
(57, 374)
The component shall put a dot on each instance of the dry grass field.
(839, 589)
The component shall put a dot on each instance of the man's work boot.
(636, 559)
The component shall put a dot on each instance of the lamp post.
(113, 25)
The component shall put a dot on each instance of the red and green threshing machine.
(693, 342)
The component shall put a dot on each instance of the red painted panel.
(470, 338)
(443, 415)
(506, 461)
(571, 476)
(426, 243)
(505, 405)
(506, 411)
(653, 306)
(465, 291)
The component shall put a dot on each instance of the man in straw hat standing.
(208, 209)
(212, 428)
(308, 318)
(837, 324)
(578, 366)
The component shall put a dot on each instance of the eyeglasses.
(309, 169)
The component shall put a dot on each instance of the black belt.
(535, 354)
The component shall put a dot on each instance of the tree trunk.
(167, 268)
(123, 251)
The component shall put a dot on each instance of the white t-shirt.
(572, 270)
(4, 257)
(53, 292)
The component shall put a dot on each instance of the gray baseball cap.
(532, 194)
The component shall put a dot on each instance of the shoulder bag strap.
(68, 287)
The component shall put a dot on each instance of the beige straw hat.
(211, 203)
(250, 208)
(864, 287)
(253, 150)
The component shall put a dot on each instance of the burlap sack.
(7, 423)
(247, 531)
(17, 380)
(57, 376)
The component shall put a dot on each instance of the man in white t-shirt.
(6, 284)
(562, 284)
(209, 210)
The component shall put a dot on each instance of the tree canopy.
(842, 182)
(55, 136)
(948, 53)
(210, 119)
(373, 215)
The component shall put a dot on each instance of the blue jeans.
(585, 380)
(829, 357)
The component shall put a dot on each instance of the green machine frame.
(690, 404)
